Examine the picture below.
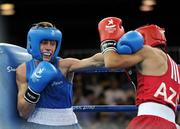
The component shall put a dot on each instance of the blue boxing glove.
(44, 73)
(130, 43)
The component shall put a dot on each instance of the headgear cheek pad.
(153, 35)
(37, 34)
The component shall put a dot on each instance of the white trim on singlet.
(174, 71)
(56, 117)
(156, 109)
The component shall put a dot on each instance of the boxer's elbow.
(23, 114)
(111, 63)
(116, 63)
(25, 109)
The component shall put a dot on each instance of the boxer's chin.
(47, 57)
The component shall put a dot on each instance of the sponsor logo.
(110, 27)
(10, 69)
(54, 83)
(90, 108)
(38, 73)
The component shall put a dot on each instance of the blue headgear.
(37, 34)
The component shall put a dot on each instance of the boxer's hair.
(43, 24)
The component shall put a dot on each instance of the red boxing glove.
(110, 31)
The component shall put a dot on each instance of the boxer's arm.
(111, 57)
(114, 60)
(74, 64)
(24, 108)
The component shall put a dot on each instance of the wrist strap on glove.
(108, 45)
(31, 96)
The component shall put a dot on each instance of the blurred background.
(78, 21)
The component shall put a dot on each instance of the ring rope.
(107, 108)
(98, 70)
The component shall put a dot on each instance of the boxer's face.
(47, 48)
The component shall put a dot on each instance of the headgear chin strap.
(37, 34)
(153, 35)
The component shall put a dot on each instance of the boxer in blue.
(45, 82)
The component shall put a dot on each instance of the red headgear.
(153, 35)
